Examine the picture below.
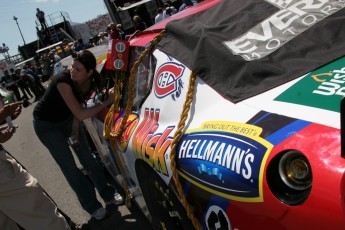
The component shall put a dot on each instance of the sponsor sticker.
(225, 158)
(131, 124)
(323, 88)
(168, 80)
(149, 144)
(216, 218)
(292, 19)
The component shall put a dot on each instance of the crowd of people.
(98, 24)
(168, 9)
(24, 82)
(163, 13)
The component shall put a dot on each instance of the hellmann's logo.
(225, 158)
(294, 17)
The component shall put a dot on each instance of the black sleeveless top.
(52, 107)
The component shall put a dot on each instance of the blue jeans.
(54, 135)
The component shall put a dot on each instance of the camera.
(26, 103)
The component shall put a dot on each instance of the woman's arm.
(75, 127)
(77, 109)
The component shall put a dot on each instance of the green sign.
(323, 88)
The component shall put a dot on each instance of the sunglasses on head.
(75, 55)
(79, 58)
(84, 59)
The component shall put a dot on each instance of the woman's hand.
(110, 98)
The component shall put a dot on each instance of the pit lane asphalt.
(28, 150)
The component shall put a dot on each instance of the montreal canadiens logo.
(168, 80)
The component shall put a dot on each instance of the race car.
(230, 115)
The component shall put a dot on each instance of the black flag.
(244, 47)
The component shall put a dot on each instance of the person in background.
(122, 34)
(37, 83)
(168, 10)
(108, 30)
(57, 121)
(48, 62)
(102, 39)
(159, 16)
(9, 81)
(23, 202)
(115, 31)
(187, 3)
(138, 23)
(45, 66)
(33, 82)
(41, 18)
(78, 46)
(54, 57)
(22, 85)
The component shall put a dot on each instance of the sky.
(25, 10)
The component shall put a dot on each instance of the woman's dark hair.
(88, 60)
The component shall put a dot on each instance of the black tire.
(165, 209)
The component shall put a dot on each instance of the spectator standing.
(45, 66)
(187, 3)
(138, 23)
(33, 81)
(48, 62)
(108, 30)
(159, 16)
(112, 31)
(38, 85)
(115, 31)
(122, 34)
(9, 81)
(56, 119)
(22, 199)
(22, 85)
(102, 39)
(78, 46)
(41, 18)
(168, 10)
(54, 57)
(54, 61)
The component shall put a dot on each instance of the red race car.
(230, 116)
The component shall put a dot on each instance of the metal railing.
(54, 18)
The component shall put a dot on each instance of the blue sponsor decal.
(226, 159)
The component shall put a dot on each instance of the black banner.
(244, 47)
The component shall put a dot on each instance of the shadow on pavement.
(114, 220)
